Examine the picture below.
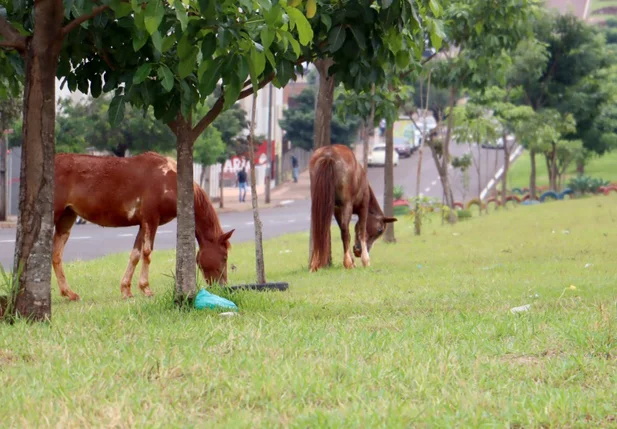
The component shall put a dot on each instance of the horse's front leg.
(343, 217)
(146, 252)
(125, 284)
(362, 236)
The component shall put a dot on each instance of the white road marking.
(126, 235)
(165, 232)
(249, 223)
(434, 182)
(492, 182)
(291, 221)
(427, 189)
(7, 241)
(285, 202)
(84, 237)
(226, 226)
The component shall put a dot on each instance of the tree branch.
(13, 40)
(216, 109)
(81, 19)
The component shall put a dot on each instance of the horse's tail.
(322, 208)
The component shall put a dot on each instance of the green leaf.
(168, 43)
(386, 3)
(95, 86)
(154, 15)
(435, 8)
(336, 38)
(120, 8)
(208, 46)
(359, 36)
(284, 71)
(294, 44)
(327, 21)
(258, 59)
(181, 14)
(116, 111)
(166, 77)
(187, 64)
(157, 41)
(243, 68)
(267, 37)
(210, 77)
(305, 32)
(142, 73)
(184, 47)
(232, 91)
(139, 40)
(402, 59)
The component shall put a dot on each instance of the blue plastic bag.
(205, 299)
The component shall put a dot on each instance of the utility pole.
(269, 145)
(3, 146)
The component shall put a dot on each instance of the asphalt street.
(91, 241)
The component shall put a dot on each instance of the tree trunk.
(3, 147)
(202, 177)
(532, 176)
(186, 285)
(325, 100)
(417, 221)
(323, 119)
(446, 159)
(370, 124)
(388, 199)
(504, 175)
(259, 251)
(580, 167)
(221, 189)
(32, 260)
(553, 169)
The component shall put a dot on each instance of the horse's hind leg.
(125, 284)
(146, 251)
(64, 222)
(343, 217)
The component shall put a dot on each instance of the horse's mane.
(206, 218)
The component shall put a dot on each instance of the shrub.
(398, 192)
(582, 185)
(463, 214)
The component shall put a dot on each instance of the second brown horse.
(339, 187)
(140, 190)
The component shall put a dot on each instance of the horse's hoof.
(148, 292)
(127, 296)
(73, 297)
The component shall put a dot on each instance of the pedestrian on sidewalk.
(242, 183)
(294, 166)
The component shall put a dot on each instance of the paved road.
(406, 172)
(91, 241)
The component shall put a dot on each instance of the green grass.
(604, 167)
(600, 4)
(422, 338)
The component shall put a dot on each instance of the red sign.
(235, 164)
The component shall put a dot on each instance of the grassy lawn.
(599, 4)
(604, 167)
(423, 338)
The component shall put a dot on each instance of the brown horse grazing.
(339, 187)
(119, 192)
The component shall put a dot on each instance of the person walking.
(294, 166)
(242, 184)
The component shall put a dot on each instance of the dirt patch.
(611, 10)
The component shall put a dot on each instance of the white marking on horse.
(131, 212)
(170, 166)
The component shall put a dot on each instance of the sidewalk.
(279, 196)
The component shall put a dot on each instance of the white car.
(378, 156)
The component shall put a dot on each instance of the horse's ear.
(389, 219)
(224, 237)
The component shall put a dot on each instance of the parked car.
(496, 145)
(378, 156)
(403, 147)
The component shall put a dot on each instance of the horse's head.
(212, 259)
(375, 226)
